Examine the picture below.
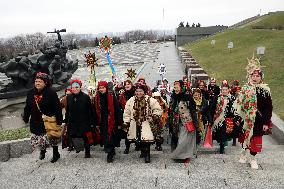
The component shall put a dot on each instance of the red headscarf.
(110, 105)
(102, 83)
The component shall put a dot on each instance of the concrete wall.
(14, 149)
(187, 35)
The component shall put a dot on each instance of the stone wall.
(186, 35)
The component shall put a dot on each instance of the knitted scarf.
(111, 115)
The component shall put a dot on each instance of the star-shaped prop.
(105, 43)
(131, 73)
(91, 60)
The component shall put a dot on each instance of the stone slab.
(20, 147)
(4, 151)
(196, 71)
(278, 128)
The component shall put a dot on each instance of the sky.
(101, 16)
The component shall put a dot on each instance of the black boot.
(234, 142)
(56, 154)
(110, 156)
(222, 148)
(70, 148)
(142, 155)
(87, 151)
(158, 147)
(147, 154)
(174, 142)
(42, 154)
(127, 144)
(137, 146)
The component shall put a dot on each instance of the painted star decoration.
(131, 73)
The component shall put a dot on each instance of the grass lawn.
(14, 134)
(220, 63)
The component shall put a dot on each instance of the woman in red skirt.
(254, 106)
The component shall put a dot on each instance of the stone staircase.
(208, 170)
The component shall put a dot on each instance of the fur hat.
(45, 77)
(141, 86)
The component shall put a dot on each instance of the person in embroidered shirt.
(222, 116)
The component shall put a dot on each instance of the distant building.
(187, 35)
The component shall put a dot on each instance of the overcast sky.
(95, 16)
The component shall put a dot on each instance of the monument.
(51, 60)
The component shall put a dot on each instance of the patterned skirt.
(42, 141)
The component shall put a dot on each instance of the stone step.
(129, 171)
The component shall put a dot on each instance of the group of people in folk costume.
(139, 115)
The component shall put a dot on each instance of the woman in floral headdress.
(222, 116)
(254, 106)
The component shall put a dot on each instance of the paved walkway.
(169, 56)
(208, 170)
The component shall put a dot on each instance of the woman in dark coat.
(182, 112)
(80, 115)
(109, 117)
(49, 105)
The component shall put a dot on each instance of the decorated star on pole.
(131, 73)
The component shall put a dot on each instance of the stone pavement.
(208, 170)
(169, 56)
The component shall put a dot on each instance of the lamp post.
(164, 23)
